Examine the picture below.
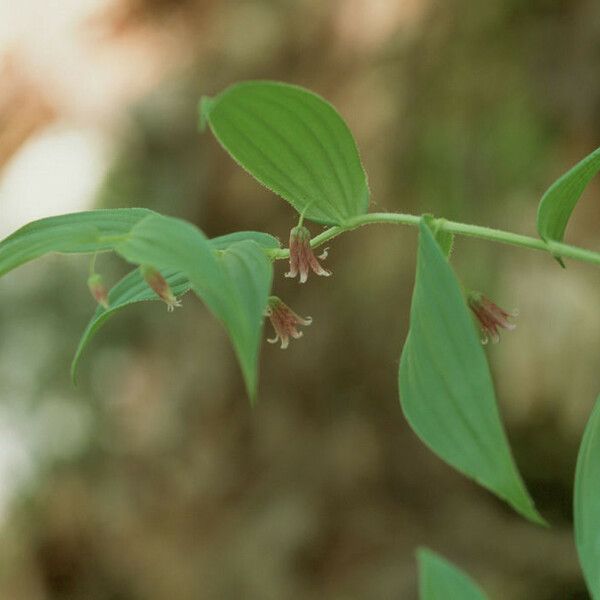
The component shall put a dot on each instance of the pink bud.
(159, 284)
(98, 289)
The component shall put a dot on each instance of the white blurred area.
(58, 171)
(69, 70)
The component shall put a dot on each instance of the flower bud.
(285, 321)
(98, 289)
(159, 284)
(302, 257)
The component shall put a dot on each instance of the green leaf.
(587, 503)
(293, 142)
(131, 289)
(234, 286)
(441, 580)
(560, 199)
(265, 240)
(446, 388)
(170, 243)
(85, 232)
(251, 275)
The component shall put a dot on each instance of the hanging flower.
(285, 321)
(98, 289)
(301, 255)
(490, 316)
(159, 284)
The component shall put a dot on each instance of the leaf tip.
(423, 553)
(251, 390)
(524, 505)
(204, 107)
(535, 517)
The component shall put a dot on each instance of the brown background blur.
(153, 479)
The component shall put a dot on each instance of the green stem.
(486, 233)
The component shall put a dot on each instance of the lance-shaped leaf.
(441, 580)
(560, 199)
(587, 503)
(250, 274)
(445, 384)
(235, 289)
(293, 142)
(90, 231)
(130, 290)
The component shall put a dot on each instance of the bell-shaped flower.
(285, 321)
(160, 285)
(302, 258)
(490, 316)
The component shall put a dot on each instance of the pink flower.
(285, 321)
(490, 316)
(98, 290)
(159, 284)
(301, 255)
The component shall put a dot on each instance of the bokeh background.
(153, 479)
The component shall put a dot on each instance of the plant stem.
(486, 233)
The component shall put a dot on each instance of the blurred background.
(153, 479)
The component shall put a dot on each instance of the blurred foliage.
(154, 479)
